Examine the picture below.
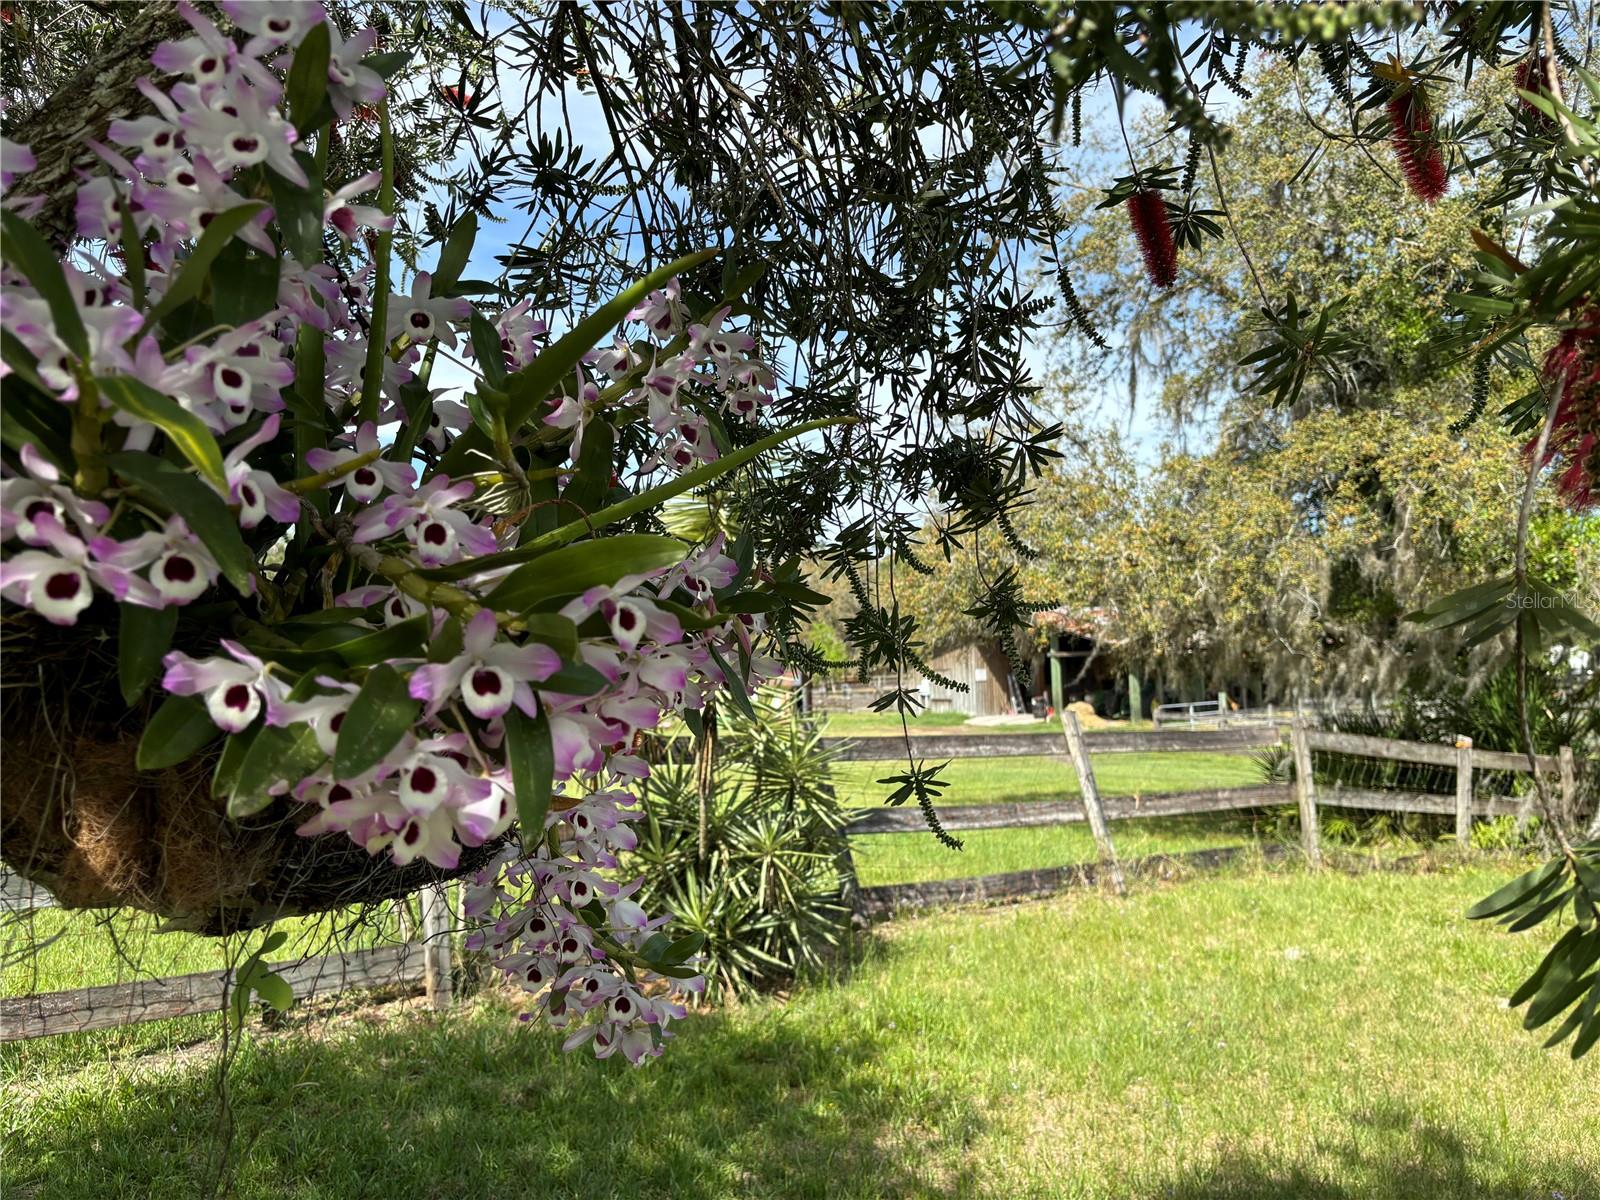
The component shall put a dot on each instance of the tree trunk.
(82, 108)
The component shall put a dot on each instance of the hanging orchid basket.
(286, 628)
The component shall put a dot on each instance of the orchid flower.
(489, 676)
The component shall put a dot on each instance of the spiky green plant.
(770, 890)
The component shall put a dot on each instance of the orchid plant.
(436, 630)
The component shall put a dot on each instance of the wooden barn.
(986, 674)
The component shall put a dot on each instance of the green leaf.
(403, 639)
(239, 998)
(307, 85)
(486, 351)
(207, 516)
(553, 630)
(244, 285)
(688, 481)
(297, 212)
(530, 386)
(654, 946)
(575, 680)
(378, 718)
(574, 569)
(1536, 913)
(1590, 1031)
(30, 415)
(232, 758)
(1543, 1011)
(1530, 986)
(632, 506)
(1464, 605)
(144, 636)
(177, 731)
(448, 643)
(1519, 890)
(197, 268)
(533, 768)
(279, 754)
(132, 252)
(684, 948)
(453, 260)
(1563, 982)
(269, 985)
(271, 942)
(591, 482)
(693, 620)
(419, 415)
(388, 62)
(754, 602)
(309, 411)
(735, 689)
(28, 252)
(185, 430)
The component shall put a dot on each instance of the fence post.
(1569, 786)
(437, 960)
(1463, 791)
(1305, 791)
(1091, 799)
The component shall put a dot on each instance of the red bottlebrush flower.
(457, 98)
(1532, 75)
(1573, 365)
(1153, 229)
(1421, 159)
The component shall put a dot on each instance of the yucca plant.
(761, 868)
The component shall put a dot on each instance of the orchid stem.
(372, 376)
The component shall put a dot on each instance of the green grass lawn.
(1265, 1034)
(871, 724)
(1024, 778)
(917, 857)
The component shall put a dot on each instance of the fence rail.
(1032, 814)
(1463, 756)
(85, 1009)
(1051, 744)
(1034, 885)
(1427, 753)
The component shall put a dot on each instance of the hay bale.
(1087, 717)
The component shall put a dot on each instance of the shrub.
(768, 884)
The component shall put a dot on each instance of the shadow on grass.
(475, 1105)
(1390, 1154)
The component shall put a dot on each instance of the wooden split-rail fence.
(1100, 811)
(430, 961)
(427, 962)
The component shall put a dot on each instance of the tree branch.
(82, 108)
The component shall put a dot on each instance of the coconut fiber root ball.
(78, 817)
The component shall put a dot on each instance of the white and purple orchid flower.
(488, 675)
